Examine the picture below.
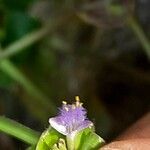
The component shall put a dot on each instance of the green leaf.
(18, 130)
(87, 139)
(48, 139)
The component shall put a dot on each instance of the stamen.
(77, 98)
(81, 104)
(71, 117)
(73, 106)
(64, 102)
(77, 101)
(91, 125)
(66, 108)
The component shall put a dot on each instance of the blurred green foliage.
(57, 49)
(16, 4)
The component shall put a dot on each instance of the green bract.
(48, 139)
(86, 139)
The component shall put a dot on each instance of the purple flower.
(71, 119)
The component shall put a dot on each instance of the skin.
(137, 137)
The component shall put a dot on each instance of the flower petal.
(85, 124)
(57, 125)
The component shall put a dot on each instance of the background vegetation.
(52, 50)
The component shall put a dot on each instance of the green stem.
(44, 103)
(70, 143)
(140, 35)
(19, 131)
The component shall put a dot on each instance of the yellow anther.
(64, 102)
(77, 98)
(77, 101)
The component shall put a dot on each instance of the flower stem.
(70, 143)
(18, 130)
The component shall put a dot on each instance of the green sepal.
(48, 139)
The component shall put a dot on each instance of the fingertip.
(136, 144)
